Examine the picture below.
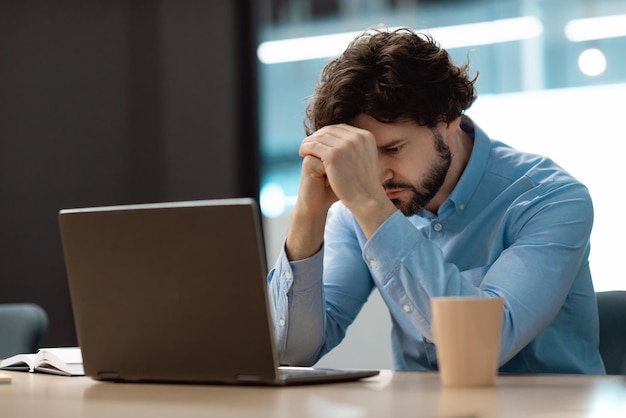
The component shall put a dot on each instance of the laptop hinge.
(248, 378)
(109, 376)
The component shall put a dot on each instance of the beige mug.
(466, 332)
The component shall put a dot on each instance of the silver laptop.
(176, 292)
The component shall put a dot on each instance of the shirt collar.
(470, 179)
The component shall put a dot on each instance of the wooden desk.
(400, 394)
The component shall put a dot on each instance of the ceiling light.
(471, 34)
(592, 28)
(592, 62)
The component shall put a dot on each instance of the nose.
(385, 171)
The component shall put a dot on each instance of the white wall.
(582, 130)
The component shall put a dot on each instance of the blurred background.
(131, 101)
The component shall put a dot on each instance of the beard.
(424, 191)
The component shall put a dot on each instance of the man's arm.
(310, 318)
(296, 283)
(534, 274)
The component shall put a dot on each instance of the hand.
(346, 159)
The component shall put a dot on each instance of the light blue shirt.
(516, 226)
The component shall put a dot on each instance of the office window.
(552, 77)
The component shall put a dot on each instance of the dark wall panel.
(112, 102)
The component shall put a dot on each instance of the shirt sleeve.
(315, 300)
(296, 297)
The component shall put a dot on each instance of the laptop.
(176, 292)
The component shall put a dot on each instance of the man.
(425, 204)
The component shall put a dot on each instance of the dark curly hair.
(391, 76)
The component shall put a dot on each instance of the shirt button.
(406, 308)
(462, 206)
(289, 274)
(281, 321)
(437, 227)
(373, 264)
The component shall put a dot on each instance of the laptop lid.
(173, 292)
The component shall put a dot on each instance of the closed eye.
(393, 150)
(392, 147)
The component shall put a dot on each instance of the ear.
(453, 126)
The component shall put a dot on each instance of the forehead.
(386, 132)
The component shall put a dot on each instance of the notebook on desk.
(176, 292)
